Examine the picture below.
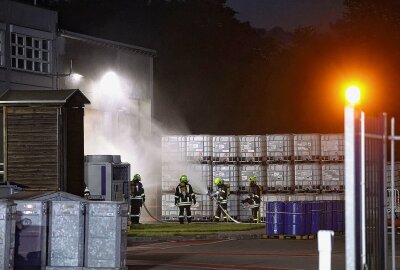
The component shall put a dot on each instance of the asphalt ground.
(242, 254)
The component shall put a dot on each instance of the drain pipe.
(325, 243)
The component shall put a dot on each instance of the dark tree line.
(224, 77)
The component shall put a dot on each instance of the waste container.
(106, 234)
(30, 235)
(7, 234)
(66, 233)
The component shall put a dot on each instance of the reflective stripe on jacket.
(184, 194)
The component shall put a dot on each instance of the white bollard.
(325, 243)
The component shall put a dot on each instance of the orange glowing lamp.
(353, 94)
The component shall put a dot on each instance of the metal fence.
(365, 181)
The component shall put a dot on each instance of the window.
(1, 48)
(30, 53)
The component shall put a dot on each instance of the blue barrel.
(307, 226)
(335, 215)
(275, 217)
(340, 216)
(327, 213)
(316, 217)
(295, 218)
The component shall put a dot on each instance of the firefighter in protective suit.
(137, 198)
(222, 199)
(254, 199)
(184, 197)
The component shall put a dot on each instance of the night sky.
(288, 14)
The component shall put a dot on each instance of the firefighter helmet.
(218, 181)
(252, 179)
(183, 178)
(137, 177)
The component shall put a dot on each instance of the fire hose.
(223, 210)
(153, 217)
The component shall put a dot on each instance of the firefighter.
(221, 196)
(137, 198)
(184, 197)
(253, 198)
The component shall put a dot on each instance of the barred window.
(1, 48)
(30, 53)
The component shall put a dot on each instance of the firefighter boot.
(189, 220)
(181, 220)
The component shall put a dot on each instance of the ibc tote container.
(253, 148)
(229, 174)
(246, 171)
(199, 148)
(66, 234)
(200, 177)
(225, 148)
(203, 209)
(170, 174)
(279, 147)
(169, 211)
(332, 147)
(105, 234)
(173, 148)
(30, 234)
(307, 147)
(333, 177)
(7, 234)
(307, 176)
(280, 177)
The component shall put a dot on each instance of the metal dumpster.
(106, 234)
(7, 234)
(30, 235)
(66, 234)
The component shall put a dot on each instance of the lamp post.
(353, 96)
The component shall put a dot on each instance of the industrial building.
(116, 78)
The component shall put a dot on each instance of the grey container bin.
(199, 148)
(30, 234)
(225, 148)
(332, 147)
(66, 234)
(280, 177)
(106, 235)
(173, 148)
(7, 234)
(308, 177)
(307, 147)
(279, 147)
(253, 148)
(332, 177)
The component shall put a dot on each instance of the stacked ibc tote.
(309, 168)
(191, 156)
(301, 176)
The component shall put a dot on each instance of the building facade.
(117, 78)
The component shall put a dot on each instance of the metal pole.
(350, 201)
(362, 187)
(392, 140)
(325, 239)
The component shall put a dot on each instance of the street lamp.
(353, 94)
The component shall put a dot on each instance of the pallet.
(284, 159)
(310, 159)
(253, 160)
(291, 237)
(328, 159)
